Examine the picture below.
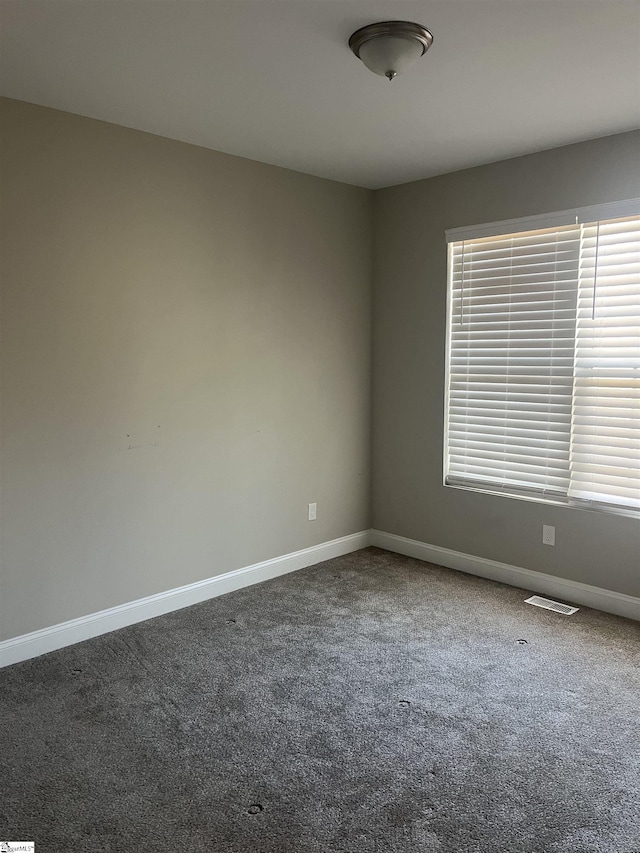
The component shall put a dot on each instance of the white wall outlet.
(548, 534)
(313, 512)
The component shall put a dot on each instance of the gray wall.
(185, 364)
(408, 368)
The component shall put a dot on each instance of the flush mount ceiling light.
(388, 47)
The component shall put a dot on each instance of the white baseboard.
(46, 640)
(571, 591)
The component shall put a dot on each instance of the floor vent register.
(548, 604)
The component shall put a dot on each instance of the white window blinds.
(605, 434)
(543, 384)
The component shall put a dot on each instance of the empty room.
(320, 426)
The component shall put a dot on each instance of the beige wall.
(185, 364)
(409, 334)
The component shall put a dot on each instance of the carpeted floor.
(370, 703)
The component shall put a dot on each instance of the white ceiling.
(274, 80)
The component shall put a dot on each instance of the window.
(543, 380)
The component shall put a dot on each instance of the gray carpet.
(370, 703)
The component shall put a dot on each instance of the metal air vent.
(548, 604)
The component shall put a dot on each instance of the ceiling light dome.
(388, 47)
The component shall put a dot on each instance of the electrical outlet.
(548, 534)
(313, 512)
